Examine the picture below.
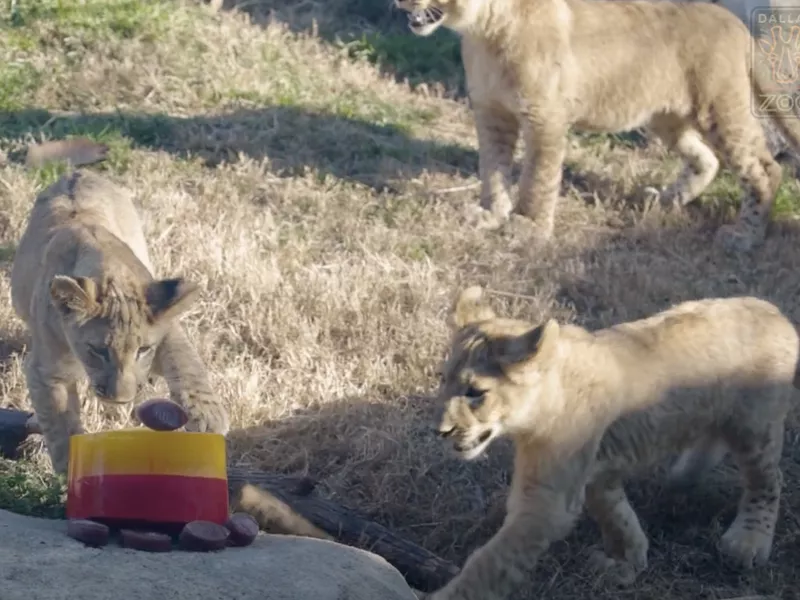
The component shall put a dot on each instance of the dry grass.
(298, 186)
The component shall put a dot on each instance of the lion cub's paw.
(212, 418)
(732, 240)
(482, 219)
(620, 572)
(649, 197)
(746, 547)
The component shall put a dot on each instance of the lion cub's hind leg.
(757, 452)
(625, 544)
(498, 131)
(700, 162)
(741, 141)
(545, 138)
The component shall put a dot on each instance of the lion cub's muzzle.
(113, 390)
(465, 442)
(469, 437)
(421, 21)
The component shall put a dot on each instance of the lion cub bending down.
(83, 283)
(682, 70)
(587, 409)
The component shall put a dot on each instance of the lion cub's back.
(77, 199)
(746, 336)
(83, 197)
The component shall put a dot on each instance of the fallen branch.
(286, 504)
(277, 509)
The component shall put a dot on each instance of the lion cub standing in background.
(686, 72)
(588, 409)
(83, 283)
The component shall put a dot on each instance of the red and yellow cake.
(141, 475)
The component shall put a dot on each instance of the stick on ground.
(272, 502)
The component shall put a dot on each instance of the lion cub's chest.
(490, 81)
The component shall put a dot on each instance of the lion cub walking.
(685, 71)
(83, 283)
(587, 409)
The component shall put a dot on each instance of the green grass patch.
(726, 193)
(18, 82)
(121, 132)
(27, 491)
(353, 105)
(94, 19)
(787, 202)
(418, 59)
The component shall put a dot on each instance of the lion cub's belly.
(640, 440)
(586, 109)
(614, 120)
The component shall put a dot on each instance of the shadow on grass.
(382, 459)
(293, 139)
(371, 29)
(378, 453)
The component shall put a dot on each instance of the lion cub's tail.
(272, 514)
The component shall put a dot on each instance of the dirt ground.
(321, 205)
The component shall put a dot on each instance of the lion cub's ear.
(537, 342)
(73, 295)
(470, 308)
(168, 298)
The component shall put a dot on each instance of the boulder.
(39, 562)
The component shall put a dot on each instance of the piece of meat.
(243, 529)
(148, 541)
(161, 414)
(203, 536)
(89, 532)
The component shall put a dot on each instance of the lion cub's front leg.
(503, 565)
(187, 378)
(56, 404)
(624, 541)
(497, 137)
(540, 182)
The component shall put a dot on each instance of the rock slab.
(39, 562)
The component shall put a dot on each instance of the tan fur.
(536, 69)
(585, 410)
(83, 283)
(272, 514)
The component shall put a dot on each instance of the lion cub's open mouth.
(473, 448)
(425, 21)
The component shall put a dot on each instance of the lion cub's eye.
(474, 393)
(100, 352)
(142, 351)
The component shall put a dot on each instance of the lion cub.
(685, 71)
(587, 409)
(83, 283)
